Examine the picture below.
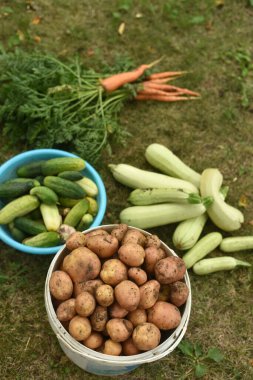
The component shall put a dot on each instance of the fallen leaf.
(219, 3)
(209, 25)
(243, 201)
(36, 20)
(37, 39)
(20, 35)
(250, 222)
(90, 52)
(251, 362)
(139, 15)
(121, 28)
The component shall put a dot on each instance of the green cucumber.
(45, 194)
(93, 206)
(85, 222)
(89, 186)
(44, 239)
(51, 216)
(68, 202)
(61, 164)
(64, 187)
(29, 226)
(23, 180)
(33, 169)
(14, 190)
(76, 213)
(71, 175)
(18, 207)
(16, 233)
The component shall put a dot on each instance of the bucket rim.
(158, 352)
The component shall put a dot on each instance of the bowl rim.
(98, 219)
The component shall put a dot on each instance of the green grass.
(215, 46)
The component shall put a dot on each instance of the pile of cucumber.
(45, 196)
(178, 194)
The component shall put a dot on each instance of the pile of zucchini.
(47, 201)
(182, 195)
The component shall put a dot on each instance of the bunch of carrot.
(153, 87)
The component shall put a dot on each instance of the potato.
(146, 336)
(94, 341)
(138, 275)
(116, 311)
(85, 304)
(119, 231)
(153, 241)
(127, 294)
(113, 272)
(103, 245)
(76, 240)
(80, 328)
(99, 231)
(132, 254)
(149, 294)
(112, 348)
(178, 293)
(66, 310)
(104, 295)
(134, 237)
(61, 285)
(99, 318)
(152, 256)
(82, 264)
(119, 329)
(87, 286)
(137, 316)
(129, 348)
(170, 269)
(164, 315)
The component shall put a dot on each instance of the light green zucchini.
(142, 179)
(236, 243)
(204, 246)
(223, 215)
(143, 197)
(167, 162)
(188, 232)
(216, 264)
(159, 215)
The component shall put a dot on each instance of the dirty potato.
(146, 336)
(87, 286)
(112, 348)
(82, 264)
(94, 341)
(104, 246)
(132, 254)
(113, 272)
(61, 285)
(104, 295)
(138, 275)
(85, 304)
(149, 294)
(119, 329)
(66, 310)
(152, 256)
(170, 269)
(127, 294)
(164, 315)
(119, 231)
(99, 318)
(76, 240)
(134, 237)
(80, 328)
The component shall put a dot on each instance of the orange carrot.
(167, 87)
(116, 81)
(166, 74)
(162, 98)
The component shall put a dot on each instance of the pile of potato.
(115, 292)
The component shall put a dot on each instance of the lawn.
(213, 41)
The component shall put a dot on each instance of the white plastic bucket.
(107, 365)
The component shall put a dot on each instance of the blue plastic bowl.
(8, 171)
